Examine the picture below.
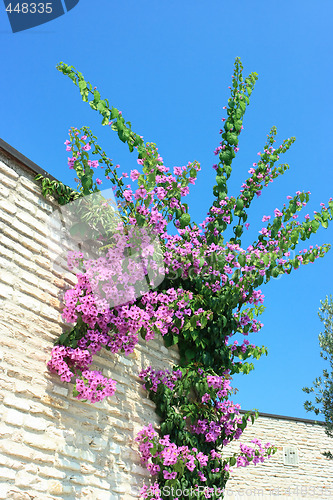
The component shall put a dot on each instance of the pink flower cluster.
(225, 425)
(160, 377)
(225, 420)
(167, 454)
(94, 387)
(153, 492)
(162, 187)
(254, 455)
(116, 328)
(161, 455)
(66, 360)
(89, 385)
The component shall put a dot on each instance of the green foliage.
(108, 113)
(323, 386)
(62, 194)
(202, 338)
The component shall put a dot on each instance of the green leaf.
(221, 181)
(169, 340)
(266, 259)
(242, 106)
(185, 220)
(61, 340)
(101, 106)
(153, 450)
(238, 230)
(226, 156)
(72, 76)
(238, 125)
(179, 467)
(114, 113)
(190, 354)
(87, 183)
(242, 260)
(105, 120)
(82, 85)
(239, 113)
(315, 225)
(239, 204)
(232, 138)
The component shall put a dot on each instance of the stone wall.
(53, 446)
(311, 476)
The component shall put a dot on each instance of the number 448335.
(32, 8)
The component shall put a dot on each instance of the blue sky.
(167, 66)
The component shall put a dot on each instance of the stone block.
(14, 402)
(35, 423)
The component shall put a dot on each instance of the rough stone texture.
(53, 446)
(311, 478)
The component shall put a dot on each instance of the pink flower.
(206, 398)
(128, 193)
(169, 475)
(134, 175)
(161, 193)
(140, 193)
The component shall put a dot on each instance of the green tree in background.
(323, 386)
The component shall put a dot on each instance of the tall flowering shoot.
(193, 287)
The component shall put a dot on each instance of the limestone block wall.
(53, 446)
(311, 477)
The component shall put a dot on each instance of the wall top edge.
(8, 150)
(285, 417)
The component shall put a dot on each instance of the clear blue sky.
(167, 66)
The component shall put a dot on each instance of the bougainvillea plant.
(209, 291)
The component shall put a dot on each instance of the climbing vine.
(62, 193)
(202, 289)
